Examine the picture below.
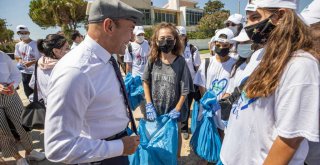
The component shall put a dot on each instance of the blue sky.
(16, 12)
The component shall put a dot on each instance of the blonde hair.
(289, 36)
(155, 52)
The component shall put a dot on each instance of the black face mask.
(166, 45)
(222, 51)
(260, 32)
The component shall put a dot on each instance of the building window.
(193, 17)
(147, 16)
(161, 16)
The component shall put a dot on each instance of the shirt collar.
(97, 49)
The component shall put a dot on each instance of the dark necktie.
(124, 93)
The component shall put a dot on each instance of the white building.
(179, 12)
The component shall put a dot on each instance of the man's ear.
(107, 25)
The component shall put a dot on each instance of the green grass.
(204, 51)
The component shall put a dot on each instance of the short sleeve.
(186, 83)
(297, 101)
(147, 72)
(196, 58)
(127, 56)
(200, 78)
(16, 51)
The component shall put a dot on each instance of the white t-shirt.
(291, 111)
(27, 52)
(218, 75)
(235, 81)
(139, 57)
(191, 63)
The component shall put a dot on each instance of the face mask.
(259, 33)
(234, 29)
(244, 50)
(24, 36)
(139, 39)
(166, 45)
(222, 51)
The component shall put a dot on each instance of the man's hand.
(130, 144)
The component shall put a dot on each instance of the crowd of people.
(263, 70)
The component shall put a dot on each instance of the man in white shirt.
(87, 113)
(27, 53)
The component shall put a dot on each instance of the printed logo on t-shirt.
(139, 59)
(218, 86)
(243, 102)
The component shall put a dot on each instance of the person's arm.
(282, 150)
(128, 60)
(129, 67)
(180, 103)
(147, 93)
(70, 93)
(15, 75)
(197, 59)
(202, 90)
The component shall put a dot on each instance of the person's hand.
(29, 63)
(151, 112)
(7, 90)
(174, 114)
(130, 144)
(21, 66)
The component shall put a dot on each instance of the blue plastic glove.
(174, 114)
(151, 112)
(21, 66)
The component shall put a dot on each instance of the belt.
(117, 136)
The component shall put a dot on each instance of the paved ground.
(187, 156)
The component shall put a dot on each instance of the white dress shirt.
(8, 71)
(84, 105)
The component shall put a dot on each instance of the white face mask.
(234, 29)
(24, 36)
(139, 39)
(244, 50)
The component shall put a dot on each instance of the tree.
(5, 34)
(214, 17)
(66, 14)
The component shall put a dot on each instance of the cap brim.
(139, 32)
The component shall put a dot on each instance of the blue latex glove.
(21, 66)
(151, 112)
(174, 114)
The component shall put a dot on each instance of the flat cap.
(113, 9)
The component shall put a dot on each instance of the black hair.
(46, 46)
(74, 35)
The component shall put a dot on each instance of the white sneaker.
(22, 161)
(35, 155)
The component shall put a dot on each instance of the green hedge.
(7, 47)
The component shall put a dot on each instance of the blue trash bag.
(158, 142)
(194, 116)
(134, 90)
(205, 141)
